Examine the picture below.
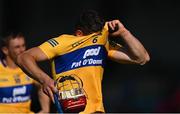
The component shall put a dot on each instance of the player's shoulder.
(55, 40)
(60, 40)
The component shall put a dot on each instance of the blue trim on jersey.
(15, 94)
(88, 56)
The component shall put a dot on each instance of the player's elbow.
(144, 59)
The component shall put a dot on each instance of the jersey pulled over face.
(15, 90)
(81, 56)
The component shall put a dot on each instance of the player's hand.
(116, 28)
(49, 88)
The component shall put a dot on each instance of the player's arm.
(28, 63)
(134, 52)
(43, 99)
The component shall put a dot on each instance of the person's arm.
(135, 51)
(43, 99)
(27, 62)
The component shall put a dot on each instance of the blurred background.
(153, 87)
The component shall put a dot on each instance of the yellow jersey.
(83, 56)
(15, 90)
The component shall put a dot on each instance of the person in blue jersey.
(15, 86)
(84, 54)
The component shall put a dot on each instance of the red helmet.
(71, 93)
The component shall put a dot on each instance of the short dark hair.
(4, 41)
(89, 22)
(9, 36)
